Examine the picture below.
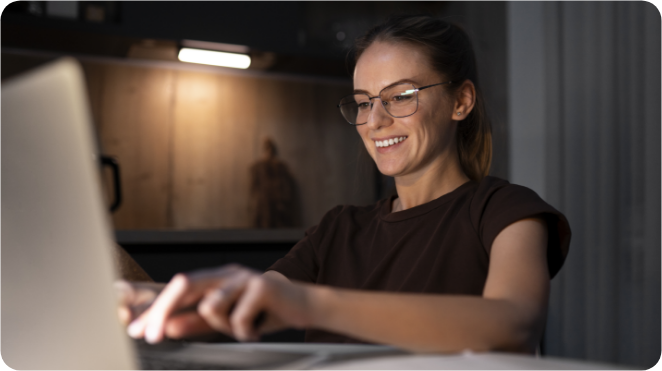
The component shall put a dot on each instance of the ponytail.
(474, 142)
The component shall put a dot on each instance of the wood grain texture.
(134, 126)
(185, 140)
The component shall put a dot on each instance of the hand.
(228, 300)
(135, 297)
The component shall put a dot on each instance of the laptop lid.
(58, 306)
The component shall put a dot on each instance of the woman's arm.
(509, 316)
(128, 269)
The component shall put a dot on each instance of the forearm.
(425, 323)
(127, 267)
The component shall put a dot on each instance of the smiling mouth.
(389, 142)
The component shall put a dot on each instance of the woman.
(456, 260)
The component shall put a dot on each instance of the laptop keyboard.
(174, 355)
(157, 363)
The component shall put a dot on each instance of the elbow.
(499, 337)
(519, 340)
(520, 328)
(519, 336)
(511, 341)
(516, 330)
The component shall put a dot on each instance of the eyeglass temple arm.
(429, 86)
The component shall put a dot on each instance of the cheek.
(363, 133)
(431, 131)
(437, 111)
(424, 127)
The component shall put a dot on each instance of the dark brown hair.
(452, 55)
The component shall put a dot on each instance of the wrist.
(319, 305)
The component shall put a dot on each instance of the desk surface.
(367, 357)
(467, 361)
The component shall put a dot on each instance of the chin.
(389, 170)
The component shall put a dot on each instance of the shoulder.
(497, 201)
(490, 186)
(501, 195)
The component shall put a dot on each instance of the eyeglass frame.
(416, 90)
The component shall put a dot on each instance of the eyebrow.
(358, 91)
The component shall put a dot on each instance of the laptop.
(59, 309)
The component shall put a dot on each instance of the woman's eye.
(363, 105)
(401, 98)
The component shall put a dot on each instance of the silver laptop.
(57, 311)
(58, 305)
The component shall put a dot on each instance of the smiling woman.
(456, 260)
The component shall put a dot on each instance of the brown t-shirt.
(440, 247)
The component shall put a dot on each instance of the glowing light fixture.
(214, 58)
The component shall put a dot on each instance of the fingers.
(134, 298)
(124, 314)
(216, 306)
(151, 324)
(186, 325)
(124, 291)
(249, 307)
(182, 291)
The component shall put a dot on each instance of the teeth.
(389, 142)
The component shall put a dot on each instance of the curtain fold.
(602, 122)
(652, 185)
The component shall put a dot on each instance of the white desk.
(371, 357)
(467, 361)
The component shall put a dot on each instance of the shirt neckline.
(387, 216)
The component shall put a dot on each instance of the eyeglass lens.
(399, 100)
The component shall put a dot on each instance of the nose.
(378, 117)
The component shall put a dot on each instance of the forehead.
(382, 64)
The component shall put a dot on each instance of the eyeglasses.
(399, 100)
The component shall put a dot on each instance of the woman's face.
(429, 132)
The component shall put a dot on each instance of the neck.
(437, 179)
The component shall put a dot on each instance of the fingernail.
(151, 335)
(134, 329)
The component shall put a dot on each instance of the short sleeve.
(497, 204)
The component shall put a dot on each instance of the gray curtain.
(599, 124)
